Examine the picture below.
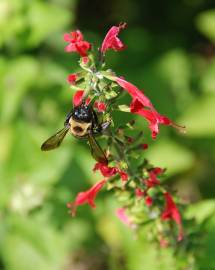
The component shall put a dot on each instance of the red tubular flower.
(100, 106)
(105, 170)
(110, 171)
(111, 40)
(171, 212)
(86, 197)
(76, 43)
(142, 106)
(71, 79)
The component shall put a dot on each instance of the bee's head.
(82, 113)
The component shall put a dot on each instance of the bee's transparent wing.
(55, 140)
(96, 150)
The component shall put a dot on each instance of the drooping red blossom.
(121, 214)
(107, 171)
(76, 43)
(171, 212)
(148, 201)
(142, 106)
(86, 197)
(100, 106)
(71, 79)
(111, 40)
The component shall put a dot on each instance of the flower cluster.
(127, 173)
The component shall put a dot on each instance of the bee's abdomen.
(78, 129)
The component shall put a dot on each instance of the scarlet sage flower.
(86, 197)
(171, 212)
(111, 40)
(76, 43)
(107, 171)
(142, 106)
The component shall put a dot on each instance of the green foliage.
(36, 231)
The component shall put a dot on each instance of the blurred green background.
(171, 54)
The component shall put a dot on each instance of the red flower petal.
(171, 212)
(86, 197)
(100, 106)
(78, 97)
(135, 93)
(72, 78)
(76, 43)
(111, 40)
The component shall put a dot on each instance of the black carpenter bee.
(83, 123)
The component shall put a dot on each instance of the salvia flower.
(76, 43)
(171, 212)
(107, 171)
(111, 40)
(86, 197)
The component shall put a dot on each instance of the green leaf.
(124, 108)
(45, 19)
(206, 24)
(199, 118)
(168, 154)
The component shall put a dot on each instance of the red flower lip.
(111, 40)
